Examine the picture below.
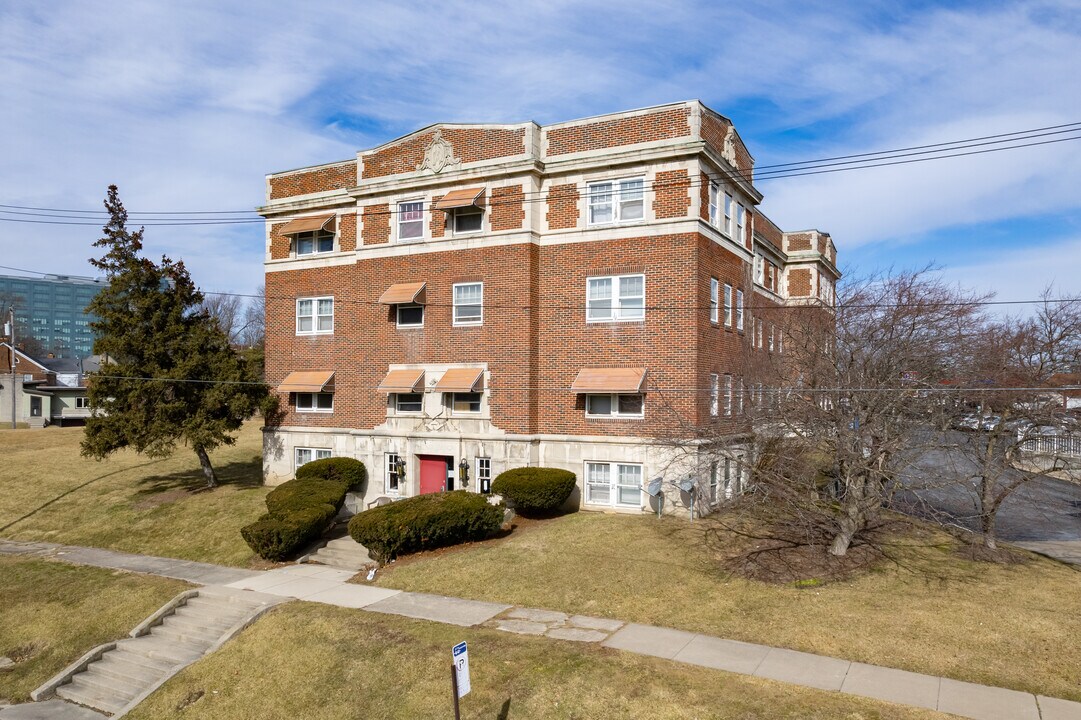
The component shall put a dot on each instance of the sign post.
(459, 675)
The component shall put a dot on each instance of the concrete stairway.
(139, 664)
(344, 553)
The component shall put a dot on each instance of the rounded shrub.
(535, 490)
(425, 522)
(350, 471)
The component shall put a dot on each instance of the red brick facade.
(376, 224)
(508, 208)
(563, 207)
(468, 145)
(671, 194)
(321, 179)
(616, 132)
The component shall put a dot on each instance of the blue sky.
(186, 106)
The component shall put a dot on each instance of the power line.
(810, 167)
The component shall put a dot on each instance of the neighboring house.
(482, 297)
(52, 309)
(48, 390)
(1065, 382)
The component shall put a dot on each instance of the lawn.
(130, 502)
(51, 613)
(1009, 625)
(318, 662)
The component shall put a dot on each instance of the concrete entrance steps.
(344, 553)
(196, 622)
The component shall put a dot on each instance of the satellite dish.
(654, 487)
(687, 485)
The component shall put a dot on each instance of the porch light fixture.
(463, 472)
(399, 467)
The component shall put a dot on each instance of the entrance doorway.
(434, 475)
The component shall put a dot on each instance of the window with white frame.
(771, 329)
(714, 190)
(728, 395)
(409, 315)
(303, 456)
(615, 405)
(316, 241)
(615, 298)
(739, 309)
(780, 343)
(408, 402)
(758, 329)
(739, 396)
(714, 481)
(714, 300)
(82, 403)
(741, 221)
(728, 218)
(468, 303)
(394, 479)
(467, 220)
(729, 489)
(465, 402)
(315, 316)
(727, 305)
(615, 484)
(760, 269)
(714, 394)
(320, 402)
(483, 467)
(616, 201)
(411, 220)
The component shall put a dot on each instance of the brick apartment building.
(482, 297)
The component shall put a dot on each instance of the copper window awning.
(404, 294)
(609, 380)
(308, 381)
(402, 381)
(461, 380)
(308, 224)
(469, 197)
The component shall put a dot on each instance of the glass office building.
(52, 310)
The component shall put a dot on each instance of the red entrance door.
(433, 473)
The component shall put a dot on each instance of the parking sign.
(461, 666)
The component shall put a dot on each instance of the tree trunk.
(987, 527)
(208, 469)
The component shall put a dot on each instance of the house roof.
(62, 365)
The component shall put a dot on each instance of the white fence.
(1053, 445)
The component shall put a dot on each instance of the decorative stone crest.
(439, 155)
(728, 152)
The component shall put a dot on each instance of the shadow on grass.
(246, 474)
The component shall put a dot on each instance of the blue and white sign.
(461, 664)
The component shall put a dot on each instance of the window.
(713, 192)
(741, 219)
(617, 484)
(714, 300)
(303, 456)
(410, 220)
(727, 214)
(727, 305)
(758, 332)
(759, 269)
(315, 316)
(408, 402)
(739, 309)
(410, 315)
(714, 393)
(467, 220)
(394, 478)
(620, 297)
(469, 303)
(729, 490)
(780, 343)
(771, 346)
(614, 405)
(465, 402)
(714, 480)
(315, 402)
(483, 467)
(316, 241)
(728, 395)
(616, 201)
(739, 397)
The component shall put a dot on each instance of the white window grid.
(408, 402)
(616, 298)
(468, 303)
(741, 221)
(483, 467)
(465, 402)
(739, 397)
(739, 309)
(714, 300)
(714, 189)
(315, 315)
(727, 305)
(714, 481)
(408, 324)
(616, 201)
(728, 202)
(614, 484)
(393, 481)
(714, 394)
(728, 395)
(305, 455)
(467, 221)
(410, 220)
(315, 402)
(314, 242)
(82, 403)
(619, 405)
(771, 338)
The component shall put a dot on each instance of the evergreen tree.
(168, 373)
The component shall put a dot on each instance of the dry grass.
(130, 502)
(51, 613)
(1008, 625)
(318, 662)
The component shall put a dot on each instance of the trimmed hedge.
(535, 490)
(299, 510)
(425, 522)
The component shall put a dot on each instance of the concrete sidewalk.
(316, 583)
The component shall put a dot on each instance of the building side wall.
(662, 124)
(321, 179)
(469, 144)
